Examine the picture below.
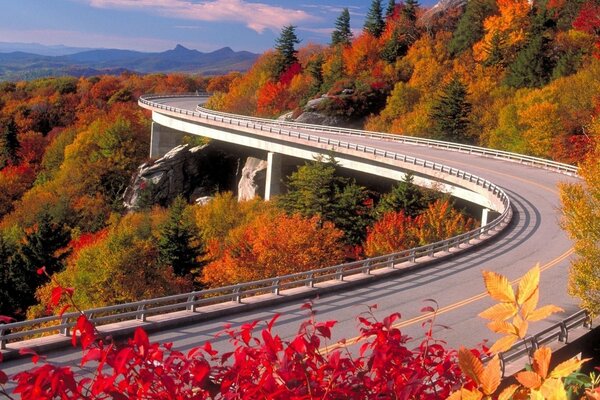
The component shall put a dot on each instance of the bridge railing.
(523, 159)
(558, 332)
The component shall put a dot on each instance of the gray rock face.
(253, 179)
(189, 172)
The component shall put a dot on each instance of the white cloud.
(256, 16)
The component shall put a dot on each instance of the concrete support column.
(273, 181)
(155, 140)
(484, 216)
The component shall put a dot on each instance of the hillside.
(21, 65)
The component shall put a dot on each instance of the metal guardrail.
(557, 332)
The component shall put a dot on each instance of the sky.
(159, 25)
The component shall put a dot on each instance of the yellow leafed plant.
(521, 307)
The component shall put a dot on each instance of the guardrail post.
(563, 336)
(65, 331)
(141, 314)
(191, 307)
(236, 298)
(413, 256)
(367, 268)
(276, 287)
(311, 281)
(2, 341)
(340, 274)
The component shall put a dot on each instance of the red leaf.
(64, 309)
(427, 309)
(91, 355)
(6, 320)
(41, 271)
(3, 378)
(35, 357)
(56, 295)
(272, 321)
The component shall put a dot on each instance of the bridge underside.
(167, 132)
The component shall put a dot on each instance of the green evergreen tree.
(494, 51)
(342, 34)
(532, 66)
(176, 240)
(285, 45)
(391, 7)
(470, 26)
(451, 112)
(9, 144)
(405, 196)
(44, 244)
(394, 47)
(567, 64)
(410, 10)
(17, 282)
(315, 69)
(316, 189)
(374, 23)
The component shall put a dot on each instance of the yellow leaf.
(455, 395)
(469, 364)
(536, 395)
(530, 304)
(507, 393)
(502, 327)
(520, 326)
(498, 287)
(566, 368)
(554, 389)
(465, 394)
(491, 376)
(500, 312)
(503, 344)
(528, 284)
(529, 379)
(543, 312)
(541, 361)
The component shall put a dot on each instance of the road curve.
(534, 236)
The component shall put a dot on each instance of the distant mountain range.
(30, 61)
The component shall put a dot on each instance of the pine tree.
(405, 196)
(286, 50)
(17, 282)
(470, 26)
(494, 51)
(394, 47)
(9, 144)
(374, 23)
(342, 35)
(316, 189)
(315, 69)
(176, 240)
(391, 8)
(532, 67)
(410, 10)
(450, 114)
(43, 242)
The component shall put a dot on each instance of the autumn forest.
(504, 74)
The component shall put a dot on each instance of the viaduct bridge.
(521, 230)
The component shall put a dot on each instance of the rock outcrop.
(190, 172)
(252, 181)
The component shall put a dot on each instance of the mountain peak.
(180, 48)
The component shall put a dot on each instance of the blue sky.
(158, 25)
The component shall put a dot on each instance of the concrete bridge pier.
(485, 216)
(273, 180)
(163, 139)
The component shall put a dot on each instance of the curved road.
(533, 237)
